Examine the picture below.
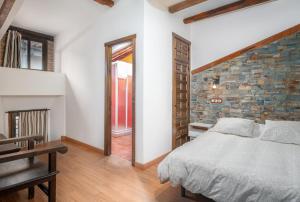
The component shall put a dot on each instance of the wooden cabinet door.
(181, 90)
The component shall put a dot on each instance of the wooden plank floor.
(121, 146)
(89, 176)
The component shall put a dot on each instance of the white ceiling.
(55, 16)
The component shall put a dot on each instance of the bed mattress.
(232, 168)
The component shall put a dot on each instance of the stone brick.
(261, 84)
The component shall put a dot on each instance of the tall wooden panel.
(181, 90)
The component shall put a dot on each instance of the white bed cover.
(231, 168)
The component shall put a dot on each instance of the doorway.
(181, 90)
(119, 138)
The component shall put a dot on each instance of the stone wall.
(261, 84)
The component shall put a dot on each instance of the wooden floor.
(121, 146)
(90, 176)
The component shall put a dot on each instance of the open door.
(119, 138)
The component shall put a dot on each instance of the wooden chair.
(21, 169)
(7, 148)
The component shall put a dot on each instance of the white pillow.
(282, 131)
(234, 126)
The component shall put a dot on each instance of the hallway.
(121, 146)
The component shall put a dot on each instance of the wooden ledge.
(259, 44)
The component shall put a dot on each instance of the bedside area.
(197, 128)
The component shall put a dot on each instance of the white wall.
(157, 87)
(219, 36)
(84, 65)
(29, 82)
(64, 19)
(56, 104)
(28, 89)
(83, 62)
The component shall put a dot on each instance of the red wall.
(113, 97)
(129, 102)
(122, 101)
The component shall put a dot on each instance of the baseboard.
(95, 149)
(81, 144)
(150, 163)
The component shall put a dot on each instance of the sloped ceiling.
(205, 6)
(57, 16)
(10, 9)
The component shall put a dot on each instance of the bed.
(226, 167)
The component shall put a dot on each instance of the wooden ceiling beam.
(183, 5)
(224, 9)
(109, 3)
(5, 10)
(121, 54)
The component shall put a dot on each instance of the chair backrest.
(2, 137)
(7, 148)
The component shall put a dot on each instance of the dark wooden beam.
(224, 9)
(109, 3)
(21, 139)
(32, 34)
(4, 10)
(34, 152)
(184, 4)
(121, 54)
(259, 44)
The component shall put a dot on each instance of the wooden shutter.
(181, 90)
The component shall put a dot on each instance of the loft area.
(26, 49)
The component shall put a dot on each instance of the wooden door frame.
(174, 36)
(108, 92)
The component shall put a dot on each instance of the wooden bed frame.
(196, 197)
(183, 191)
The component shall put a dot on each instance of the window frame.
(35, 37)
(12, 125)
(44, 52)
